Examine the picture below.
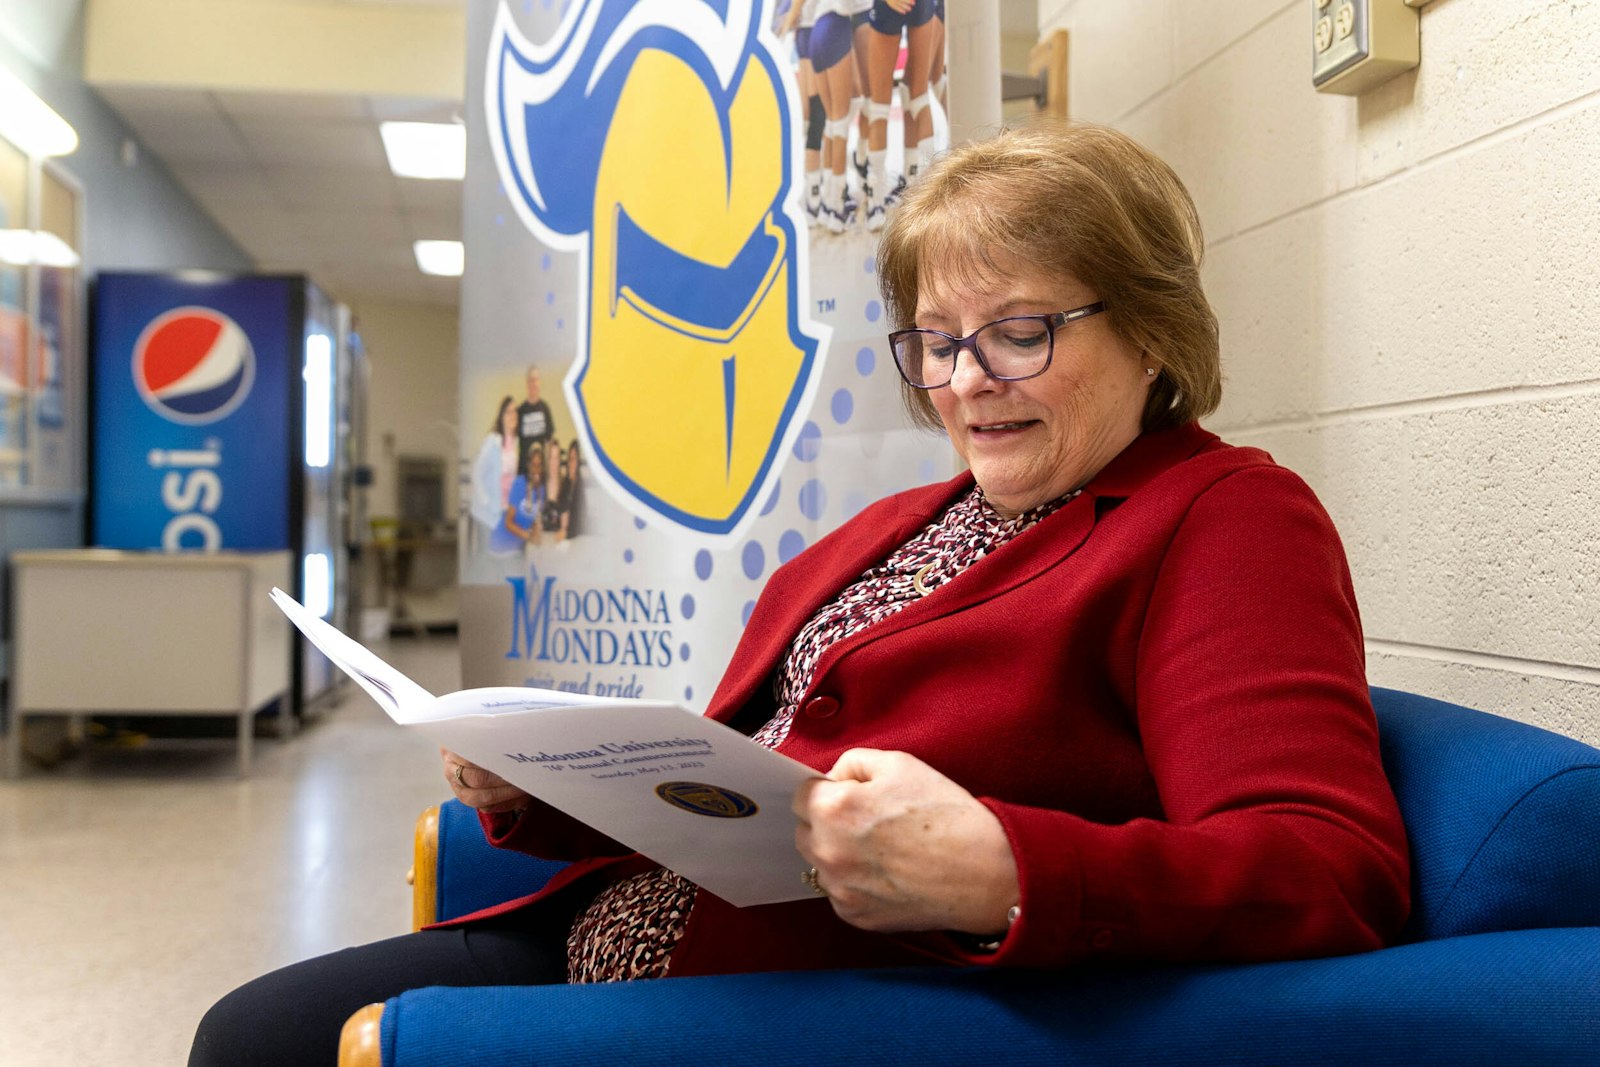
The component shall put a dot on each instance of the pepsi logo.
(193, 365)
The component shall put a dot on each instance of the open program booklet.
(695, 796)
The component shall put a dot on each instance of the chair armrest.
(456, 871)
(1500, 816)
(1488, 999)
(359, 1041)
(424, 874)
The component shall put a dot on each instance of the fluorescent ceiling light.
(425, 149)
(21, 248)
(29, 123)
(446, 258)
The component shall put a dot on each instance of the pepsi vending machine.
(216, 405)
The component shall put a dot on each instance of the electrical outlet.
(1357, 44)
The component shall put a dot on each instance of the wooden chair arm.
(360, 1042)
(424, 874)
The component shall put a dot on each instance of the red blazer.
(1159, 690)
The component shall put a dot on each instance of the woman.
(550, 514)
(495, 468)
(921, 37)
(798, 19)
(886, 21)
(571, 499)
(1100, 697)
(827, 51)
(526, 500)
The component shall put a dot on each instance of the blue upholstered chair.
(1500, 963)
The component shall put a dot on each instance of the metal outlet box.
(1358, 44)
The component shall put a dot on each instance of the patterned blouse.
(630, 929)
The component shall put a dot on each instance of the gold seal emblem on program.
(702, 799)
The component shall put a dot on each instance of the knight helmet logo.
(653, 138)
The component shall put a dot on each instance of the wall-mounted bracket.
(1046, 81)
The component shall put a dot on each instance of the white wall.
(1410, 309)
(413, 357)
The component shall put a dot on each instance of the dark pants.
(294, 1015)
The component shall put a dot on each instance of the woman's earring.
(1149, 371)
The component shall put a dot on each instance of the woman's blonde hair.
(1075, 200)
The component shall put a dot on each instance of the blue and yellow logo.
(712, 800)
(654, 139)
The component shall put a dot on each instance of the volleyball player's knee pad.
(816, 119)
(918, 104)
(877, 112)
(836, 128)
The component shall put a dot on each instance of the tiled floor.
(137, 885)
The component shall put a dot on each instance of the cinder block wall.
(1409, 288)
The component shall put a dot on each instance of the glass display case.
(41, 328)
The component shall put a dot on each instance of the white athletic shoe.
(876, 208)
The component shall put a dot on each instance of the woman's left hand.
(899, 847)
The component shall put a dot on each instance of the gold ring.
(810, 879)
(460, 784)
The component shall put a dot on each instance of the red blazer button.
(821, 707)
(1102, 939)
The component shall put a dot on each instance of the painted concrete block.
(1564, 219)
(1424, 281)
(1485, 67)
(1202, 31)
(1568, 707)
(1121, 54)
(1470, 528)
(1468, 275)
(1260, 285)
(1248, 134)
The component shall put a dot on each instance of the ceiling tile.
(413, 109)
(333, 188)
(358, 232)
(222, 183)
(434, 225)
(130, 99)
(423, 195)
(180, 138)
(324, 143)
(299, 107)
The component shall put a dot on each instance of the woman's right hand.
(477, 788)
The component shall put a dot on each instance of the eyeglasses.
(1008, 350)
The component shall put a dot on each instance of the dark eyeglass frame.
(1054, 320)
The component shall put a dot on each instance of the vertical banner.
(674, 369)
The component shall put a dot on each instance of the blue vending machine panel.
(193, 433)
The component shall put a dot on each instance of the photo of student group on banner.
(676, 375)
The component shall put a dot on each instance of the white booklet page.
(693, 795)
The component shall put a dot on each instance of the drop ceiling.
(299, 179)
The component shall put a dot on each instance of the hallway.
(137, 885)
